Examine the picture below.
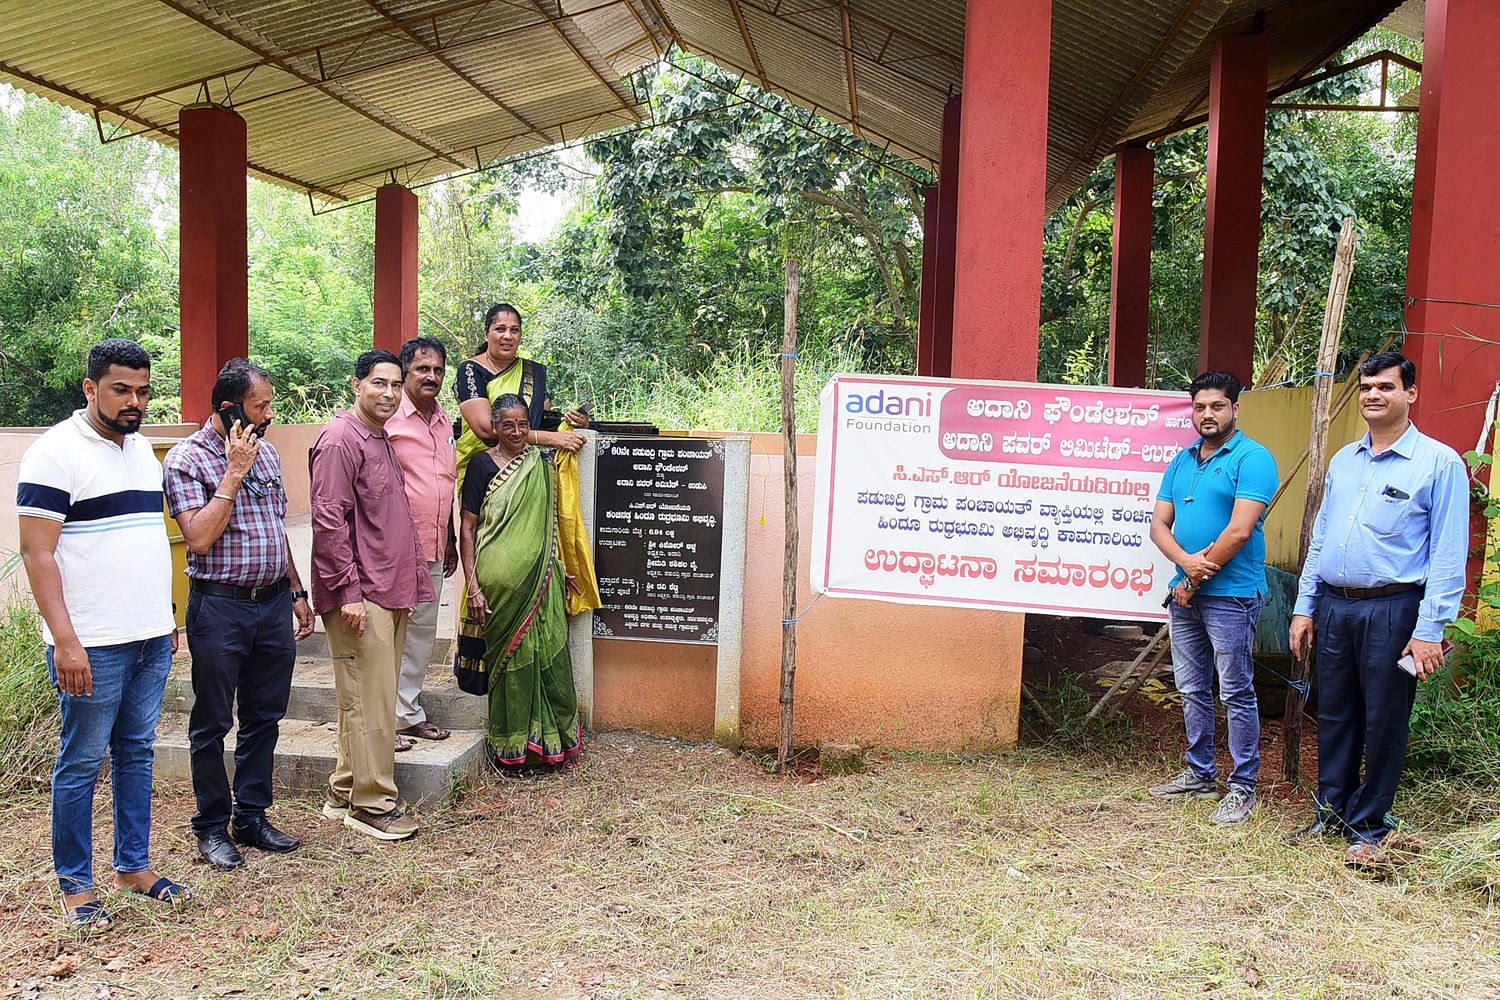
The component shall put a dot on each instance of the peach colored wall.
(661, 687)
(867, 671)
(293, 442)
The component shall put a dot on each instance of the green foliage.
(1455, 727)
(88, 250)
(28, 703)
(312, 280)
(1319, 167)
(680, 241)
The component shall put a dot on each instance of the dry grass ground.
(664, 870)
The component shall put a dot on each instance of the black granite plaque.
(659, 534)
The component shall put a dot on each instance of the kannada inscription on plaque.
(659, 511)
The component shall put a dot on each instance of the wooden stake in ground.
(789, 459)
(1317, 467)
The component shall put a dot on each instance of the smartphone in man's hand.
(231, 413)
(1409, 662)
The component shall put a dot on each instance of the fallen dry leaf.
(1252, 976)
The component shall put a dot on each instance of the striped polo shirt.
(112, 553)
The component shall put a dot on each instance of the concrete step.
(307, 751)
(313, 697)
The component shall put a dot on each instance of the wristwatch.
(299, 595)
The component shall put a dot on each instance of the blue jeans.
(1215, 634)
(119, 716)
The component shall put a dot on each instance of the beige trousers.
(365, 672)
(416, 653)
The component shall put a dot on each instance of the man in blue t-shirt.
(1208, 519)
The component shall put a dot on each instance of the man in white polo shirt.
(94, 543)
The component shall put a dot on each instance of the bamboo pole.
(1156, 640)
(1145, 673)
(789, 459)
(1351, 385)
(1317, 465)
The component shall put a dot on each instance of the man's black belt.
(260, 595)
(1365, 593)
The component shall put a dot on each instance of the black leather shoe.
(257, 831)
(219, 851)
(1317, 829)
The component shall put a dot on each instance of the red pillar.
(1002, 185)
(395, 267)
(927, 309)
(946, 256)
(1231, 238)
(1454, 253)
(213, 283)
(1130, 280)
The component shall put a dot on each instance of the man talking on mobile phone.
(224, 488)
(1384, 575)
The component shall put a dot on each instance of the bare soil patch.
(660, 869)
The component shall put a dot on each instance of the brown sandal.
(425, 730)
(403, 743)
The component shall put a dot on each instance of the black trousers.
(242, 652)
(1364, 708)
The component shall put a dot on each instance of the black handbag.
(468, 662)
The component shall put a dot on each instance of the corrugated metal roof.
(341, 95)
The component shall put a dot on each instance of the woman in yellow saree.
(498, 369)
(515, 629)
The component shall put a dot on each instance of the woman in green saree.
(514, 627)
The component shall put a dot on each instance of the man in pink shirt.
(422, 435)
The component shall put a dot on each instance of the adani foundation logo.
(888, 410)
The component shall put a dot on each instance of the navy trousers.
(243, 652)
(1364, 708)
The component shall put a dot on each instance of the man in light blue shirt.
(1207, 520)
(1384, 575)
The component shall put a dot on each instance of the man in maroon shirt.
(368, 574)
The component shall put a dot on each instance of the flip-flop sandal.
(426, 731)
(404, 744)
(166, 891)
(90, 918)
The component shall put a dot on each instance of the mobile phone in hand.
(1409, 662)
(231, 413)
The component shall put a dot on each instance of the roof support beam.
(329, 76)
(557, 27)
(849, 68)
(452, 68)
(760, 71)
(1090, 148)
(839, 43)
(188, 10)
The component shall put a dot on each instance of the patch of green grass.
(28, 704)
(1455, 725)
(738, 392)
